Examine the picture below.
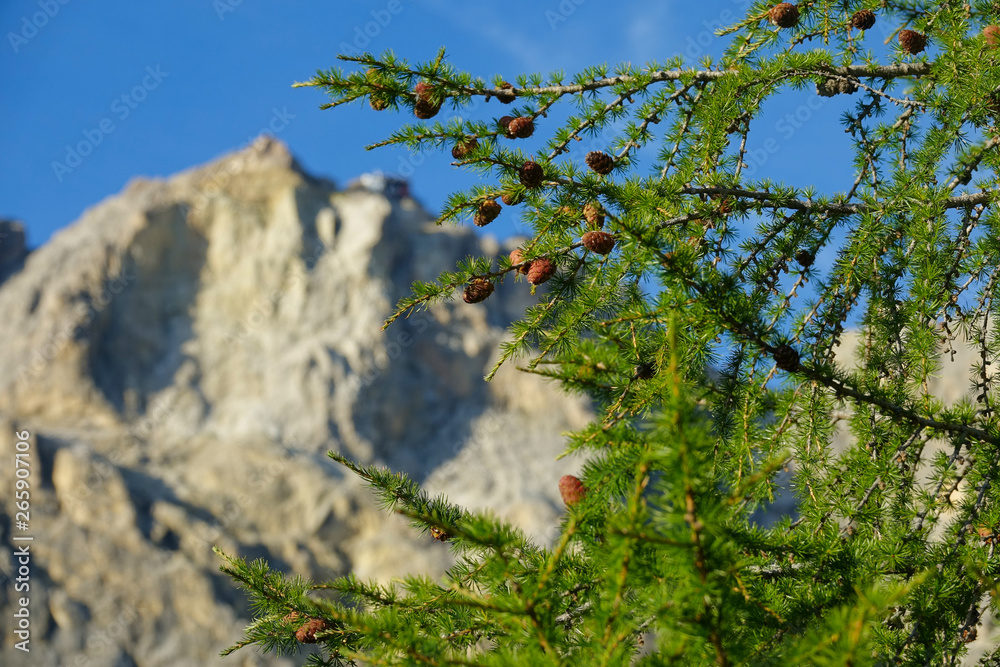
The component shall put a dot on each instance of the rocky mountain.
(183, 357)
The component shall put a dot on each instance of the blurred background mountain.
(184, 357)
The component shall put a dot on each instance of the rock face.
(184, 356)
(13, 248)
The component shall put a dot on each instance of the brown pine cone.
(911, 41)
(992, 35)
(426, 106)
(504, 93)
(593, 213)
(510, 199)
(424, 110)
(600, 162)
(784, 15)
(307, 633)
(517, 257)
(464, 147)
(571, 489)
(645, 370)
(520, 128)
(541, 270)
(863, 19)
(531, 174)
(786, 358)
(831, 87)
(600, 242)
(487, 213)
(478, 290)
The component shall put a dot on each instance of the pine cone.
(593, 213)
(478, 290)
(425, 106)
(600, 162)
(565, 212)
(786, 358)
(600, 242)
(644, 371)
(464, 147)
(531, 174)
(424, 110)
(541, 270)
(504, 93)
(571, 489)
(911, 41)
(517, 257)
(487, 213)
(993, 102)
(510, 198)
(784, 15)
(992, 35)
(520, 128)
(307, 633)
(863, 19)
(377, 98)
(424, 91)
(831, 87)
(805, 258)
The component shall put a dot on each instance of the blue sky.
(155, 88)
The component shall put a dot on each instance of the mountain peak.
(185, 354)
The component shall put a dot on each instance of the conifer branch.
(895, 71)
(661, 538)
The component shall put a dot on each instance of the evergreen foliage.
(706, 340)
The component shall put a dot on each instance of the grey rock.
(13, 248)
(185, 355)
